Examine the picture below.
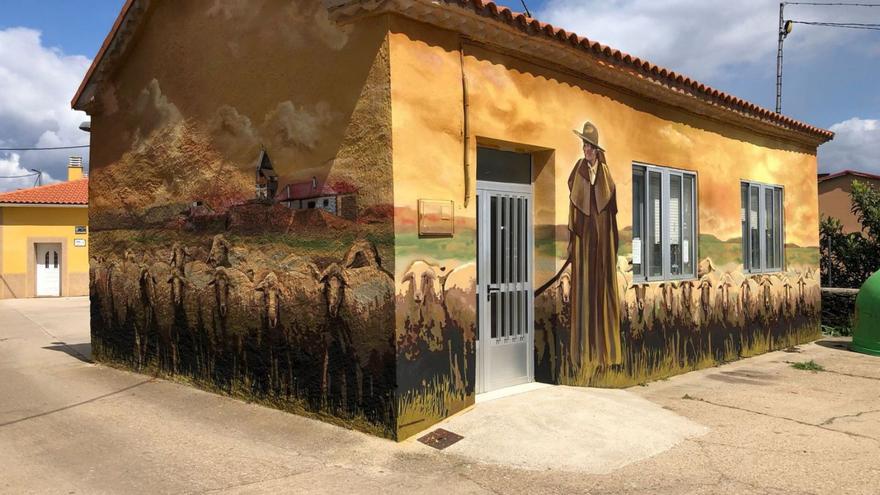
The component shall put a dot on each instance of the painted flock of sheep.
(278, 326)
(714, 297)
(237, 317)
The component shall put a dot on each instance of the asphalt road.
(70, 426)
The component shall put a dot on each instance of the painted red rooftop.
(309, 190)
(63, 193)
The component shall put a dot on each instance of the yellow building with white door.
(44, 239)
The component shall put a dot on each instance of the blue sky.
(830, 74)
(76, 27)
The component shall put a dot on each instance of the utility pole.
(782, 34)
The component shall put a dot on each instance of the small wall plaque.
(436, 218)
(80, 229)
(79, 242)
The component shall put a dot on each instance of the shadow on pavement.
(71, 406)
(83, 351)
(840, 345)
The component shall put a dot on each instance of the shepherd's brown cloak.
(595, 305)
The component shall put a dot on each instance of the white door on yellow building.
(48, 265)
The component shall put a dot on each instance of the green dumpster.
(866, 331)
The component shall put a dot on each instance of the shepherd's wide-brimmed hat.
(590, 134)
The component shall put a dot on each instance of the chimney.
(74, 168)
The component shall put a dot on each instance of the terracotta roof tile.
(62, 193)
(522, 22)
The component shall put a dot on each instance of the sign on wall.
(79, 243)
(436, 218)
(80, 229)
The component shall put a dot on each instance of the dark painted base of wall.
(673, 349)
(269, 373)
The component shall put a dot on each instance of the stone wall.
(838, 307)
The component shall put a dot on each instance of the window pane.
(744, 219)
(494, 218)
(688, 231)
(769, 230)
(780, 233)
(504, 166)
(638, 222)
(655, 220)
(675, 257)
(754, 235)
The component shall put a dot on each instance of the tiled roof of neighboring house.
(313, 189)
(855, 173)
(63, 193)
(669, 82)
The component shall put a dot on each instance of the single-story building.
(338, 199)
(44, 238)
(835, 198)
(531, 205)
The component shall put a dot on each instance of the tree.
(849, 259)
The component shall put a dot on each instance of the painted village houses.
(459, 199)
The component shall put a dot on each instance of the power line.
(46, 149)
(844, 25)
(18, 176)
(834, 4)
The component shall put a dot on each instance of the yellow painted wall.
(514, 101)
(21, 227)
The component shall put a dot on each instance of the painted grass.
(650, 364)
(240, 390)
(437, 400)
(721, 252)
(316, 245)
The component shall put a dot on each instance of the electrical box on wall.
(436, 218)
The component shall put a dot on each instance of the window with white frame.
(762, 227)
(664, 223)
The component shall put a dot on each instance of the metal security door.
(505, 348)
(48, 274)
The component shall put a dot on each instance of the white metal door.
(48, 265)
(505, 348)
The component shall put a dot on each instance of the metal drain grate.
(440, 438)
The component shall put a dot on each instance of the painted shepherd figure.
(592, 252)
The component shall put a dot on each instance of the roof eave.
(498, 27)
(116, 42)
(44, 205)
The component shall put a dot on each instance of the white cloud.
(856, 146)
(153, 111)
(296, 126)
(706, 40)
(36, 85)
(11, 167)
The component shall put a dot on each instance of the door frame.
(31, 278)
(483, 381)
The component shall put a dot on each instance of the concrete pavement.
(755, 426)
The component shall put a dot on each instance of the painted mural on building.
(255, 219)
(241, 219)
(597, 325)
(720, 313)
